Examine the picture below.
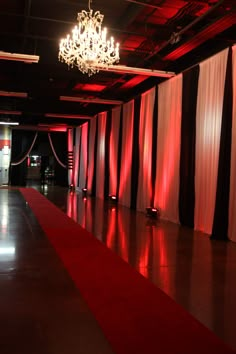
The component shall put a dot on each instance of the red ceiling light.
(90, 87)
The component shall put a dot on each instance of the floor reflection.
(196, 272)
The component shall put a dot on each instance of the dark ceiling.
(165, 35)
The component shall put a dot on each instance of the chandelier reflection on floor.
(87, 47)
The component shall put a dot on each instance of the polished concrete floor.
(38, 300)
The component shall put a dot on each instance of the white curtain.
(92, 132)
(77, 155)
(168, 148)
(208, 129)
(126, 153)
(113, 156)
(232, 196)
(145, 150)
(83, 156)
(100, 166)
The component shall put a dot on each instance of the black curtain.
(154, 144)
(107, 154)
(187, 152)
(59, 141)
(135, 153)
(119, 151)
(21, 142)
(93, 193)
(220, 223)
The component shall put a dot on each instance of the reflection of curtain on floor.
(232, 201)
(21, 142)
(208, 130)
(168, 148)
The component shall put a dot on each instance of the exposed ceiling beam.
(26, 58)
(15, 113)
(70, 116)
(90, 100)
(14, 94)
(122, 69)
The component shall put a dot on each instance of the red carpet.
(135, 316)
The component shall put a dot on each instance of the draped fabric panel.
(113, 157)
(100, 162)
(135, 153)
(168, 148)
(70, 149)
(83, 156)
(77, 156)
(126, 154)
(91, 160)
(145, 150)
(208, 129)
(187, 155)
(232, 196)
(221, 214)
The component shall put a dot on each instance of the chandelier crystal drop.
(87, 47)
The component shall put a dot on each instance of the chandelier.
(87, 47)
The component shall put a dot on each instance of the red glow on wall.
(134, 81)
(89, 87)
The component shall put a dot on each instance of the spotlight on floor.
(84, 192)
(71, 187)
(152, 212)
(113, 199)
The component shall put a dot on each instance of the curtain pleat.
(77, 156)
(126, 154)
(83, 156)
(91, 159)
(187, 155)
(70, 149)
(220, 223)
(168, 148)
(107, 154)
(208, 130)
(100, 162)
(144, 193)
(232, 197)
(154, 144)
(113, 148)
(135, 153)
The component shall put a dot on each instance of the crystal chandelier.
(87, 47)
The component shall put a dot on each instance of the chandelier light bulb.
(87, 48)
